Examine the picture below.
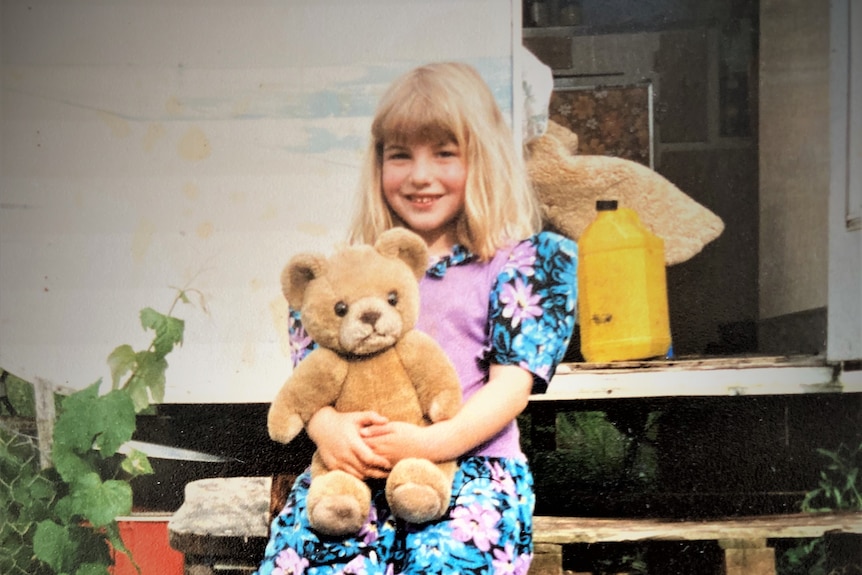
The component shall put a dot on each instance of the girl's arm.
(481, 417)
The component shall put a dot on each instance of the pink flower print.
(369, 533)
(541, 371)
(519, 302)
(523, 259)
(300, 341)
(502, 481)
(476, 524)
(288, 562)
(356, 566)
(503, 560)
(522, 564)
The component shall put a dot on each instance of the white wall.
(148, 144)
(794, 156)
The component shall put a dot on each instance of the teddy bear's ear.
(299, 272)
(406, 245)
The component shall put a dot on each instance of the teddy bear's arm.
(432, 374)
(315, 383)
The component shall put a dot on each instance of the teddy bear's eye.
(341, 309)
(392, 298)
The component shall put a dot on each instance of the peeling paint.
(174, 107)
(279, 311)
(249, 355)
(142, 239)
(191, 190)
(118, 126)
(155, 132)
(316, 230)
(270, 213)
(205, 230)
(194, 145)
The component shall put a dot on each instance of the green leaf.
(69, 464)
(121, 361)
(52, 545)
(148, 380)
(112, 531)
(169, 330)
(71, 429)
(87, 419)
(136, 463)
(20, 394)
(41, 489)
(100, 502)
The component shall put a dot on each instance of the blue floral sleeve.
(532, 307)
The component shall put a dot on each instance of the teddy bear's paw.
(338, 503)
(417, 503)
(338, 515)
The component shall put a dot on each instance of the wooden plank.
(699, 377)
(563, 530)
(45, 414)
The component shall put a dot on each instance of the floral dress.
(528, 321)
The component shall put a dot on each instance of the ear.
(299, 272)
(403, 244)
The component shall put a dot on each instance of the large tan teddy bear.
(360, 306)
(569, 184)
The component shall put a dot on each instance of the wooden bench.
(743, 539)
(222, 528)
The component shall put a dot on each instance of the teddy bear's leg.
(418, 490)
(338, 503)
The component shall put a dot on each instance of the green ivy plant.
(74, 506)
(839, 489)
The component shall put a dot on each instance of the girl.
(498, 295)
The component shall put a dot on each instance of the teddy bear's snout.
(370, 317)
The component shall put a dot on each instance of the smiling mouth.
(423, 199)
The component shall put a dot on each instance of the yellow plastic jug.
(622, 288)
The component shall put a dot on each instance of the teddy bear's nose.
(370, 317)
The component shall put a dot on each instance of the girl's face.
(424, 185)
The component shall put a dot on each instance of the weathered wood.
(547, 559)
(749, 561)
(562, 530)
(698, 377)
(45, 415)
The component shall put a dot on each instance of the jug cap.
(606, 205)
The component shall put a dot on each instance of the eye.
(340, 309)
(392, 298)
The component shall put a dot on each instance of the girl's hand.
(485, 414)
(341, 445)
(397, 440)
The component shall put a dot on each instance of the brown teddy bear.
(569, 184)
(360, 307)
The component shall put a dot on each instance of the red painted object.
(146, 536)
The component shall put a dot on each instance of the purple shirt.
(479, 312)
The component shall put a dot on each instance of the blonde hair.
(451, 101)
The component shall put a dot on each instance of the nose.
(420, 173)
(370, 317)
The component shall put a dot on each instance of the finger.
(377, 473)
(375, 430)
(367, 418)
(373, 460)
